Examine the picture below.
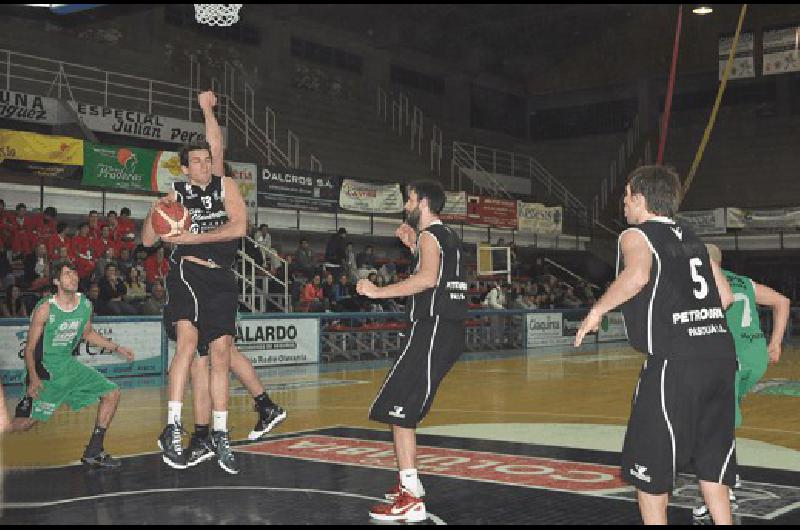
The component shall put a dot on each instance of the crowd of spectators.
(119, 277)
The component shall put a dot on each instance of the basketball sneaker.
(101, 460)
(172, 447)
(24, 407)
(200, 450)
(392, 494)
(268, 418)
(406, 508)
(222, 446)
(701, 512)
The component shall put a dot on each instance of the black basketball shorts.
(682, 419)
(432, 348)
(206, 297)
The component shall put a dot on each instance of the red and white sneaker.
(393, 493)
(405, 509)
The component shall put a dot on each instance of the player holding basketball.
(752, 350)
(437, 308)
(203, 298)
(54, 377)
(672, 297)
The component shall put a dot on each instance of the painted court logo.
(641, 473)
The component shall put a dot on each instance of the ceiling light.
(702, 10)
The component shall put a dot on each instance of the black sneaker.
(101, 460)
(24, 407)
(199, 451)
(172, 447)
(269, 418)
(222, 446)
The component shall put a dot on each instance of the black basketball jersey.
(207, 210)
(448, 298)
(678, 314)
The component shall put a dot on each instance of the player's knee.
(113, 396)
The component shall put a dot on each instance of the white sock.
(220, 420)
(410, 480)
(174, 412)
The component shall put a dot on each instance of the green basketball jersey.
(742, 315)
(64, 329)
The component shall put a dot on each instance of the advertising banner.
(488, 211)
(455, 207)
(140, 124)
(298, 189)
(612, 328)
(705, 222)
(144, 338)
(26, 153)
(28, 108)
(538, 219)
(114, 167)
(546, 329)
(246, 176)
(743, 59)
(276, 342)
(367, 197)
(781, 52)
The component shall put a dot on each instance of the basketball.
(170, 218)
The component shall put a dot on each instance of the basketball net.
(217, 14)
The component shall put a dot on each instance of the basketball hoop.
(217, 14)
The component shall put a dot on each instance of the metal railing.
(60, 79)
(572, 274)
(399, 115)
(240, 114)
(255, 280)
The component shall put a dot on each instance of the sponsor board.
(612, 328)
(115, 167)
(19, 106)
(144, 338)
(140, 124)
(297, 189)
(455, 207)
(274, 342)
(366, 197)
(743, 63)
(538, 219)
(533, 472)
(488, 211)
(26, 153)
(546, 329)
(705, 222)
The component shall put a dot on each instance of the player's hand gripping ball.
(170, 219)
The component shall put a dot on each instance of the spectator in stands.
(106, 242)
(304, 260)
(327, 291)
(516, 298)
(112, 291)
(350, 263)
(93, 294)
(388, 305)
(125, 224)
(569, 300)
(83, 249)
(6, 270)
(136, 289)
(125, 262)
(154, 305)
(366, 259)
(13, 305)
(336, 249)
(44, 224)
(496, 299)
(94, 225)
(112, 222)
(140, 256)
(37, 268)
(264, 238)
(156, 266)
(313, 298)
(345, 295)
(59, 239)
(23, 238)
(106, 259)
